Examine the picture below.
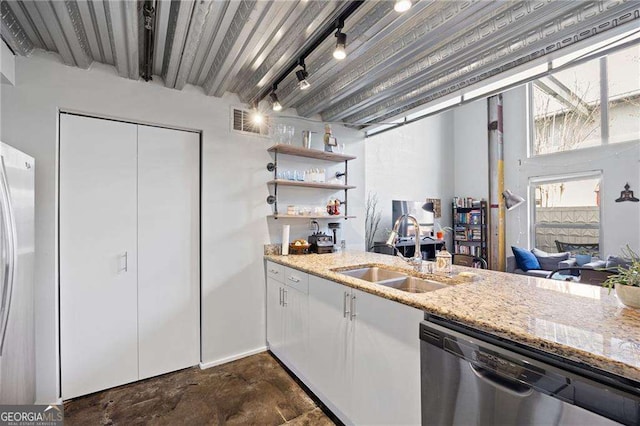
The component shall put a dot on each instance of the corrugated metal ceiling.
(395, 63)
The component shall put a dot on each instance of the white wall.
(412, 162)
(7, 65)
(471, 141)
(234, 223)
(619, 164)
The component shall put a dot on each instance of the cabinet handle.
(353, 307)
(284, 297)
(126, 261)
(280, 294)
(344, 304)
(294, 279)
(274, 271)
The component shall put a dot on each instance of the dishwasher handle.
(508, 385)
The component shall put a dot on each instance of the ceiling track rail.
(294, 61)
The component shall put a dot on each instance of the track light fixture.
(325, 32)
(341, 42)
(275, 103)
(402, 5)
(302, 75)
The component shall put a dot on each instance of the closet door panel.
(98, 277)
(169, 250)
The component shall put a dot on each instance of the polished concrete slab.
(251, 391)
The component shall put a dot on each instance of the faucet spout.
(416, 260)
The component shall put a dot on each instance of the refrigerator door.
(17, 345)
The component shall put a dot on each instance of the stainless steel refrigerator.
(17, 338)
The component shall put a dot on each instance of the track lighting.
(275, 103)
(341, 43)
(302, 75)
(402, 5)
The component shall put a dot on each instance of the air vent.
(243, 123)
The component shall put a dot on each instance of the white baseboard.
(58, 401)
(204, 365)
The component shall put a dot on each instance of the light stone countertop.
(576, 321)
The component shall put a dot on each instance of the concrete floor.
(254, 390)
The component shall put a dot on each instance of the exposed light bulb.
(256, 117)
(402, 5)
(339, 52)
(303, 84)
(275, 103)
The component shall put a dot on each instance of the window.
(566, 209)
(590, 104)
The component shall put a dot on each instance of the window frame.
(604, 111)
(567, 177)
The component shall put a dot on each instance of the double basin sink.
(393, 279)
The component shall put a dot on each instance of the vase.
(628, 295)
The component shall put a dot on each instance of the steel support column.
(496, 185)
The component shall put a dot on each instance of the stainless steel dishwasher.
(466, 380)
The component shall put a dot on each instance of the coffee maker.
(321, 243)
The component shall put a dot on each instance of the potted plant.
(441, 230)
(627, 280)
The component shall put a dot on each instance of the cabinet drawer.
(296, 279)
(275, 271)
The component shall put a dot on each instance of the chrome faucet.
(416, 260)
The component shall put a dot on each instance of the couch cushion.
(525, 259)
(615, 261)
(549, 261)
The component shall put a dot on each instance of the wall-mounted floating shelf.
(287, 216)
(284, 182)
(310, 153)
(307, 153)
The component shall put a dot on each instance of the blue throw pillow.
(525, 259)
(582, 259)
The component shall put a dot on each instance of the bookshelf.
(470, 227)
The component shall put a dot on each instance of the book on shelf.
(466, 202)
(469, 250)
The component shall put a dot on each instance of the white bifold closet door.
(98, 247)
(129, 252)
(168, 250)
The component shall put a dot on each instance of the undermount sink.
(413, 285)
(394, 279)
(373, 274)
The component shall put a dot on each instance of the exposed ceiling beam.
(178, 26)
(194, 38)
(217, 26)
(122, 20)
(13, 33)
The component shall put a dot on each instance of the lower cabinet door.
(386, 363)
(275, 329)
(296, 330)
(329, 352)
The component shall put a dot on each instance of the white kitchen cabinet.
(275, 315)
(287, 317)
(364, 355)
(129, 252)
(331, 333)
(386, 362)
